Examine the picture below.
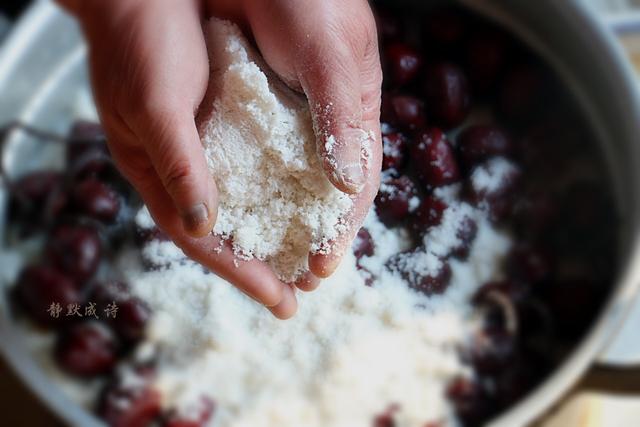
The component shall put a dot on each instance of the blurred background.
(613, 394)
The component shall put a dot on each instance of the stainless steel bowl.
(43, 63)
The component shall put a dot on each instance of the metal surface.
(42, 66)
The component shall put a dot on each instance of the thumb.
(331, 81)
(174, 148)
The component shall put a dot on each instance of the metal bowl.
(43, 63)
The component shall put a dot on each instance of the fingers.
(153, 81)
(323, 265)
(308, 282)
(332, 85)
(252, 277)
(370, 79)
(170, 81)
(178, 157)
(287, 306)
(150, 72)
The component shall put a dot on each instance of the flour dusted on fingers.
(276, 203)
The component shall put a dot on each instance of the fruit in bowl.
(461, 280)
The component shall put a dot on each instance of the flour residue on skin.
(276, 203)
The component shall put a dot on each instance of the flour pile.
(350, 351)
(275, 202)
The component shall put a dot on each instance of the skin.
(150, 71)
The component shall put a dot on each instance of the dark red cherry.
(363, 244)
(124, 405)
(540, 148)
(480, 142)
(470, 401)
(534, 212)
(90, 160)
(411, 266)
(444, 26)
(522, 92)
(386, 418)
(435, 283)
(433, 159)
(529, 263)
(428, 214)
(447, 96)
(393, 150)
(516, 380)
(30, 193)
(34, 187)
(366, 275)
(40, 289)
(388, 23)
(87, 152)
(97, 200)
(76, 250)
(405, 111)
(200, 418)
(87, 349)
(132, 315)
(491, 349)
(145, 235)
(131, 319)
(465, 234)
(402, 63)
(56, 203)
(492, 186)
(486, 55)
(536, 327)
(394, 199)
(87, 132)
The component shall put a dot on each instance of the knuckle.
(176, 175)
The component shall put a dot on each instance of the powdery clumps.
(350, 352)
(275, 202)
(495, 174)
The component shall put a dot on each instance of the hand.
(149, 71)
(327, 49)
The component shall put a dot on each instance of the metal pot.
(43, 62)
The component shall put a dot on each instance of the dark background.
(12, 8)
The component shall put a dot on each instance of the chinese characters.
(56, 310)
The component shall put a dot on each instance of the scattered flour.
(275, 202)
(492, 176)
(350, 352)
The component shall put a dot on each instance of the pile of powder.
(275, 202)
(350, 351)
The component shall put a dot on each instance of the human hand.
(149, 72)
(328, 49)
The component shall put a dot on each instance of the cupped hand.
(149, 71)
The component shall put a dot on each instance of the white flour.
(275, 202)
(349, 353)
(493, 175)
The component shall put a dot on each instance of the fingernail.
(352, 177)
(196, 218)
